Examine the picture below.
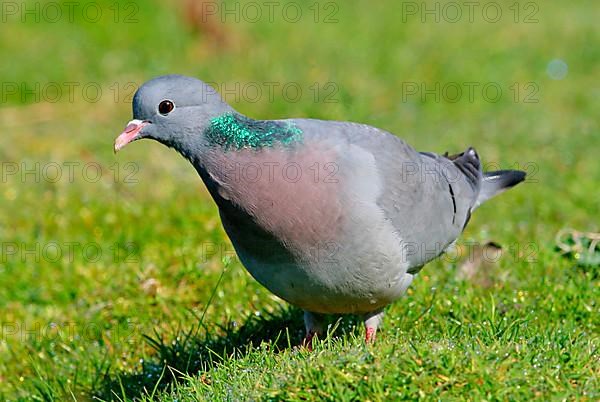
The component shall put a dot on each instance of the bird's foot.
(314, 325)
(307, 342)
(370, 334)
(372, 321)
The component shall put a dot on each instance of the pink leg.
(370, 334)
(372, 321)
(314, 327)
(307, 341)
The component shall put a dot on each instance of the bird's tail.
(494, 183)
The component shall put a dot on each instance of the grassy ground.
(117, 281)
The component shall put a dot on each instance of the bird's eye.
(165, 107)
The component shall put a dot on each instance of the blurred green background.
(108, 261)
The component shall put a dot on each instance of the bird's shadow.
(190, 353)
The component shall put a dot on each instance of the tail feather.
(497, 182)
(469, 164)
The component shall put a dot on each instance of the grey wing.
(426, 197)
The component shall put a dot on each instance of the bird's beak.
(130, 133)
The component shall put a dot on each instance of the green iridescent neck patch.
(234, 131)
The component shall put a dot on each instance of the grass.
(121, 284)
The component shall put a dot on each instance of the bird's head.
(173, 110)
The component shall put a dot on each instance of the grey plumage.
(336, 217)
